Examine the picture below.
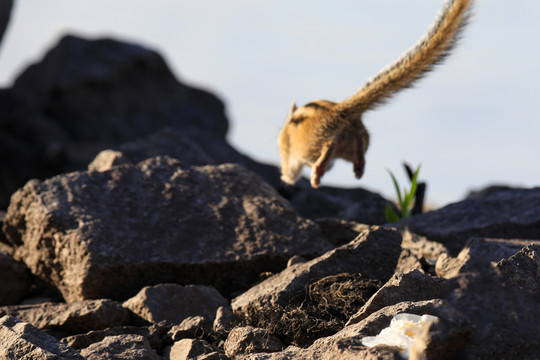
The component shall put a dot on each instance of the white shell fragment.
(403, 331)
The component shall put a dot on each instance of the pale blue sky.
(472, 122)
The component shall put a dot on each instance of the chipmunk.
(321, 131)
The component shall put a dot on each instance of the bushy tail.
(411, 66)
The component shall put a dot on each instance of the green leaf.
(404, 201)
(396, 186)
(390, 215)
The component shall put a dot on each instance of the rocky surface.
(88, 95)
(148, 218)
(76, 317)
(20, 340)
(167, 243)
(358, 256)
(500, 213)
(14, 277)
(175, 303)
(5, 13)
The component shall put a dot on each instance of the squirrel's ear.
(291, 110)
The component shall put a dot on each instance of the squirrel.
(321, 131)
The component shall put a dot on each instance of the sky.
(471, 123)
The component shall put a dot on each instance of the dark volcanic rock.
(5, 12)
(504, 213)
(374, 254)
(193, 349)
(478, 256)
(348, 204)
(133, 347)
(20, 340)
(108, 234)
(89, 95)
(413, 286)
(108, 91)
(74, 318)
(15, 278)
(154, 334)
(523, 269)
(247, 339)
(194, 147)
(174, 303)
(191, 327)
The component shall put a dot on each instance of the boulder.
(74, 318)
(340, 232)
(192, 349)
(247, 339)
(374, 254)
(191, 327)
(412, 286)
(108, 234)
(20, 340)
(88, 95)
(225, 320)
(503, 314)
(501, 213)
(356, 204)
(156, 334)
(478, 256)
(523, 269)
(347, 343)
(14, 277)
(175, 303)
(128, 347)
(194, 147)
(5, 12)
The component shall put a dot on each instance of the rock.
(504, 213)
(128, 347)
(14, 277)
(174, 303)
(247, 339)
(108, 234)
(191, 327)
(106, 159)
(5, 11)
(192, 148)
(523, 269)
(155, 334)
(295, 260)
(424, 249)
(347, 343)
(109, 91)
(357, 205)
(320, 309)
(380, 319)
(74, 318)
(478, 256)
(342, 351)
(191, 349)
(442, 340)
(85, 96)
(408, 261)
(225, 320)
(373, 253)
(412, 286)
(20, 340)
(340, 232)
(504, 316)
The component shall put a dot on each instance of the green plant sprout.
(405, 200)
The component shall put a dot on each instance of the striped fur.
(322, 130)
